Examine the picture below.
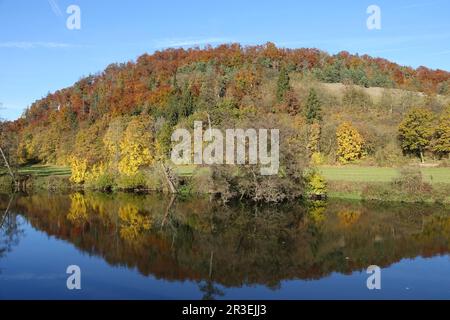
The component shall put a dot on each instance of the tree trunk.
(422, 159)
(172, 199)
(7, 165)
(169, 182)
(6, 211)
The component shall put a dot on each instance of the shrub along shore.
(431, 185)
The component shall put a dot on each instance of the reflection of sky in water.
(36, 269)
(48, 258)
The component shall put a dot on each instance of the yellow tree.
(348, 218)
(132, 224)
(314, 133)
(78, 213)
(441, 144)
(111, 141)
(350, 143)
(79, 169)
(137, 145)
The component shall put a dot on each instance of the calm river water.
(154, 247)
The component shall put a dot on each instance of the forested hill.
(171, 85)
(151, 81)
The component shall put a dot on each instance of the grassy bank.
(386, 191)
(45, 171)
(375, 183)
(377, 174)
(41, 171)
(41, 177)
(359, 174)
(344, 182)
(385, 184)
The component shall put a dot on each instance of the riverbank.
(386, 191)
(39, 178)
(431, 185)
(346, 182)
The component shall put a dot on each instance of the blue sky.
(38, 54)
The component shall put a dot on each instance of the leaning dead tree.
(170, 183)
(4, 157)
(7, 164)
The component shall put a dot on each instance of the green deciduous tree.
(416, 131)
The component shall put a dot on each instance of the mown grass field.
(359, 174)
(343, 173)
(376, 174)
(42, 170)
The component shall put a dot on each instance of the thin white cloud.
(421, 4)
(36, 44)
(55, 8)
(188, 42)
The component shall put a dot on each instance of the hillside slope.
(173, 87)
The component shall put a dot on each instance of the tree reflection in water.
(231, 246)
(10, 231)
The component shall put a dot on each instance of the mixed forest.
(114, 128)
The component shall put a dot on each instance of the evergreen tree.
(283, 84)
(313, 107)
(187, 102)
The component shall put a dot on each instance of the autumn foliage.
(350, 143)
(121, 119)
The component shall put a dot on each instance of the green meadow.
(341, 173)
(379, 174)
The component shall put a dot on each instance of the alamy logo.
(374, 20)
(234, 144)
(73, 21)
(74, 280)
(374, 281)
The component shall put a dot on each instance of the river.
(156, 247)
